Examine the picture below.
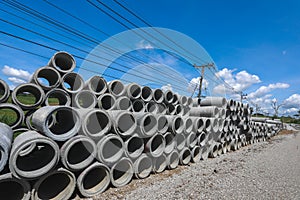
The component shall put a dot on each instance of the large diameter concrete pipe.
(168, 97)
(196, 102)
(134, 146)
(259, 119)
(123, 103)
(110, 149)
(4, 91)
(78, 152)
(146, 94)
(94, 180)
(85, 99)
(138, 105)
(116, 88)
(146, 123)
(213, 101)
(12, 188)
(162, 123)
(183, 100)
(170, 142)
(33, 155)
(179, 110)
(72, 82)
(159, 163)
(46, 77)
(121, 172)
(207, 111)
(173, 159)
(58, 184)
(175, 124)
(96, 84)
(15, 110)
(133, 91)
(57, 97)
(162, 108)
(175, 99)
(155, 145)
(196, 154)
(158, 95)
(180, 141)
(190, 101)
(202, 139)
(204, 152)
(5, 144)
(185, 156)
(152, 107)
(191, 140)
(107, 101)
(188, 125)
(186, 111)
(213, 150)
(67, 122)
(142, 166)
(62, 62)
(124, 123)
(171, 109)
(198, 124)
(34, 94)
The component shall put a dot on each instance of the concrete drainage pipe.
(142, 167)
(162, 108)
(14, 188)
(175, 124)
(110, 149)
(67, 122)
(173, 160)
(171, 109)
(134, 146)
(168, 96)
(94, 180)
(190, 101)
(121, 172)
(4, 91)
(15, 111)
(72, 82)
(123, 103)
(96, 85)
(146, 94)
(196, 154)
(208, 111)
(183, 100)
(33, 155)
(188, 125)
(62, 62)
(213, 150)
(5, 144)
(56, 97)
(107, 101)
(180, 141)
(198, 124)
(138, 106)
(162, 123)
(170, 142)
(204, 152)
(28, 117)
(186, 111)
(175, 99)
(159, 164)
(185, 156)
(85, 99)
(28, 90)
(78, 152)
(152, 107)
(202, 139)
(191, 140)
(46, 77)
(155, 145)
(213, 101)
(58, 184)
(179, 110)
(147, 124)
(116, 88)
(158, 95)
(133, 91)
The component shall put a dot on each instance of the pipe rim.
(128, 174)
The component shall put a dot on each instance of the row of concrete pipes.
(101, 134)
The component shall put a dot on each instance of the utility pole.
(243, 96)
(202, 75)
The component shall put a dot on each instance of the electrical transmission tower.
(209, 65)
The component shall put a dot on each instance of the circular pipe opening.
(63, 62)
(97, 85)
(13, 189)
(134, 147)
(121, 173)
(85, 99)
(170, 142)
(173, 160)
(138, 106)
(116, 87)
(47, 78)
(162, 124)
(28, 96)
(146, 94)
(158, 95)
(160, 164)
(97, 123)
(106, 101)
(57, 97)
(126, 124)
(72, 82)
(11, 115)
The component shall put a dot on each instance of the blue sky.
(255, 44)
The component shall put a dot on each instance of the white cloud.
(18, 73)
(292, 102)
(194, 84)
(166, 87)
(16, 80)
(144, 45)
(263, 90)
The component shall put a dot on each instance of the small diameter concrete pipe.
(146, 124)
(162, 124)
(78, 152)
(185, 156)
(158, 95)
(146, 94)
(191, 140)
(110, 149)
(202, 139)
(162, 108)
(72, 82)
(220, 149)
(168, 97)
(121, 172)
(196, 154)
(213, 101)
(198, 124)
(62, 62)
(190, 101)
(85, 99)
(170, 142)
(159, 163)
(142, 167)
(175, 99)
(133, 91)
(96, 84)
(67, 122)
(138, 105)
(5, 144)
(207, 124)
(14, 110)
(213, 150)
(188, 125)
(123, 103)
(207, 111)
(46, 77)
(33, 155)
(13, 188)
(173, 159)
(107, 101)
(116, 88)
(134, 146)
(58, 184)
(94, 180)
(57, 97)
(155, 145)
(124, 122)
(180, 141)
(204, 152)
(171, 109)
(23, 90)
(175, 124)
(179, 110)
(4, 91)
(152, 107)
(183, 100)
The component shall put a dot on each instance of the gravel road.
(267, 170)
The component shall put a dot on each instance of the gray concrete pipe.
(124, 122)
(152, 107)
(85, 99)
(155, 146)
(28, 117)
(110, 149)
(5, 144)
(142, 167)
(146, 94)
(191, 140)
(121, 172)
(133, 91)
(162, 108)
(170, 142)
(96, 84)
(202, 139)
(190, 101)
(146, 123)
(60, 95)
(180, 141)
(206, 111)
(196, 154)
(173, 160)
(107, 101)
(220, 149)
(33, 155)
(12, 188)
(134, 146)
(186, 111)
(94, 180)
(175, 99)
(123, 103)
(78, 153)
(196, 102)
(58, 184)
(213, 101)
(16, 110)
(213, 150)
(4, 91)
(116, 88)
(46, 77)
(183, 100)
(175, 124)
(138, 105)
(158, 95)
(62, 62)
(185, 156)
(67, 122)
(204, 152)
(188, 125)
(179, 109)
(168, 97)
(72, 82)
(162, 123)
(159, 163)
(171, 109)
(33, 90)
(198, 124)
(259, 119)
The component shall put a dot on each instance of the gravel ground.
(267, 170)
